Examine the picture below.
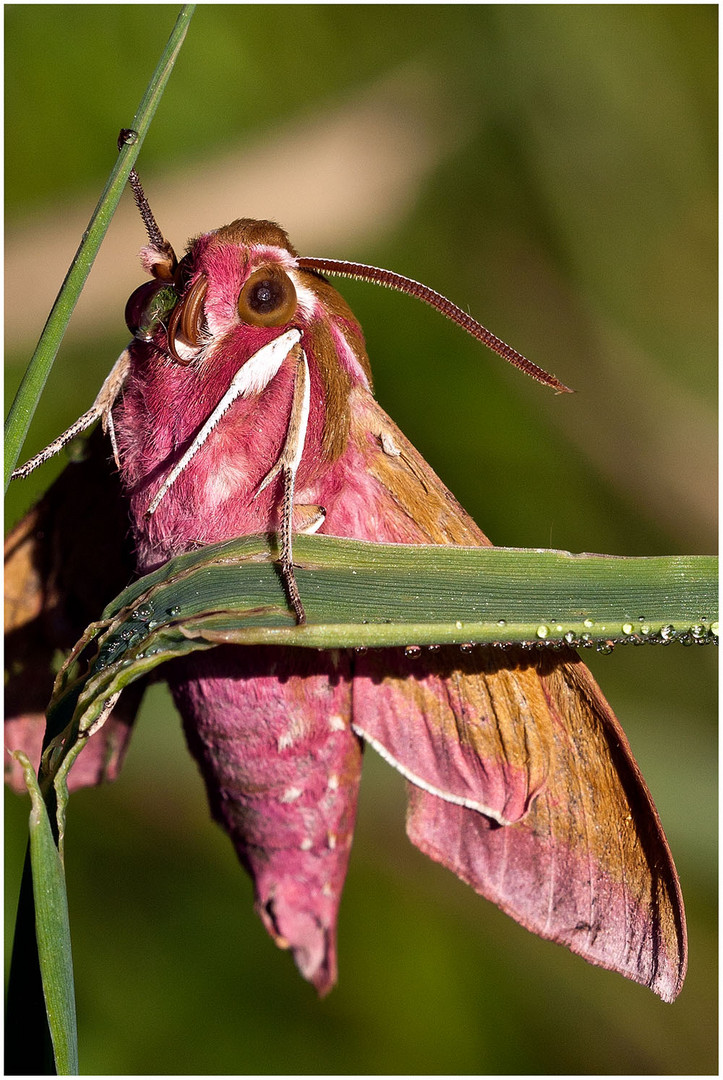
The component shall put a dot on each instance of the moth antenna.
(362, 272)
(165, 266)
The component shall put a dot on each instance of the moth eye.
(268, 298)
(149, 307)
(185, 326)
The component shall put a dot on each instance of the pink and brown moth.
(244, 405)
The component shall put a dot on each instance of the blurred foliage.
(574, 214)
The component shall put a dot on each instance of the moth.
(244, 404)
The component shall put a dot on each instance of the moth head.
(235, 277)
(247, 276)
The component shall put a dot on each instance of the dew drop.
(586, 641)
(458, 624)
(542, 631)
(413, 652)
(604, 647)
(714, 629)
(627, 628)
(697, 632)
(143, 612)
(588, 623)
(645, 629)
(502, 622)
(467, 647)
(570, 638)
(433, 648)
(175, 610)
(360, 649)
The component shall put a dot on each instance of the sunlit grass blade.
(36, 375)
(358, 594)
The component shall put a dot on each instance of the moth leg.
(109, 430)
(287, 562)
(288, 464)
(100, 409)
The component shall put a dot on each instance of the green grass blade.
(28, 1044)
(358, 594)
(26, 400)
(52, 931)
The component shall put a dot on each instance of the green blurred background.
(553, 169)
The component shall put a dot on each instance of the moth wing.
(522, 781)
(64, 561)
(400, 498)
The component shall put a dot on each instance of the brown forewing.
(529, 735)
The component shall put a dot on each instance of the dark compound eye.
(149, 307)
(268, 298)
(157, 305)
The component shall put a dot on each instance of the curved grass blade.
(362, 594)
(359, 594)
(26, 400)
